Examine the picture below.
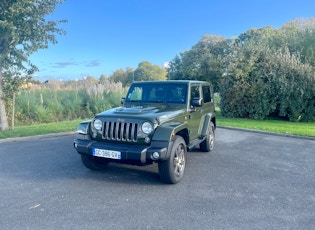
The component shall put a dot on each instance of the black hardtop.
(171, 82)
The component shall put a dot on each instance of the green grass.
(23, 131)
(277, 126)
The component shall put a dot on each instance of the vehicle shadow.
(121, 173)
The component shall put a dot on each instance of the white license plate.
(106, 153)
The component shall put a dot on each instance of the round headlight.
(147, 127)
(97, 124)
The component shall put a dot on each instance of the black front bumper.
(130, 153)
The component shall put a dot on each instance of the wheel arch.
(210, 117)
(214, 120)
(168, 131)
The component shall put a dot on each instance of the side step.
(196, 142)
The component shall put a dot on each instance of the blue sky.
(106, 35)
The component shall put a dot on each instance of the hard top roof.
(171, 81)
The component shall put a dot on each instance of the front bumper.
(137, 154)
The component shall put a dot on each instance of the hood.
(136, 110)
(161, 114)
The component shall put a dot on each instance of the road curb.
(42, 136)
(269, 133)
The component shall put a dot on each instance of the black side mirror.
(197, 102)
(122, 100)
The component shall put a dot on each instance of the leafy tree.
(146, 71)
(293, 87)
(103, 79)
(119, 75)
(241, 85)
(175, 71)
(130, 76)
(24, 29)
(203, 62)
(11, 85)
(299, 36)
(261, 73)
(125, 77)
(266, 77)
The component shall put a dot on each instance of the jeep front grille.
(120, 131)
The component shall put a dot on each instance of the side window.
(206, 94)
(194, 91)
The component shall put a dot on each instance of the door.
(196, 114)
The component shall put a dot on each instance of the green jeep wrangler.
(158, 122)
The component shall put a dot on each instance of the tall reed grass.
(76, 100)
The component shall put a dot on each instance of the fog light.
(147, 140)
(155, 155)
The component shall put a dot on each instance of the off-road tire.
(94, 163)
(208, 144)
(171, 171)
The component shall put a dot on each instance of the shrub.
(272, 84)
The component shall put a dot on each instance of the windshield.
(153, 92)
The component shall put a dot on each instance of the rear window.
(206, 93)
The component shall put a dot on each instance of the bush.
(274, 85)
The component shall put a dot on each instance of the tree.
(203, 62)
(259, 74)
(299, 36)
(125, 77)
(11, 85)
(24, 29)
(119, 76)
(130, 76)
(266, 77)
(243, 87)
(175, 71)
(103, 79)
(146, 71)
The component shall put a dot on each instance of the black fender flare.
(165, 134)
(206, 125)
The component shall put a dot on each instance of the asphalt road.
(250, 181)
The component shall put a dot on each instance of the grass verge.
(32, 130)
(276, 126)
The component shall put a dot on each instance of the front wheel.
(94, 163)
(172, 170)
(208, 144)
